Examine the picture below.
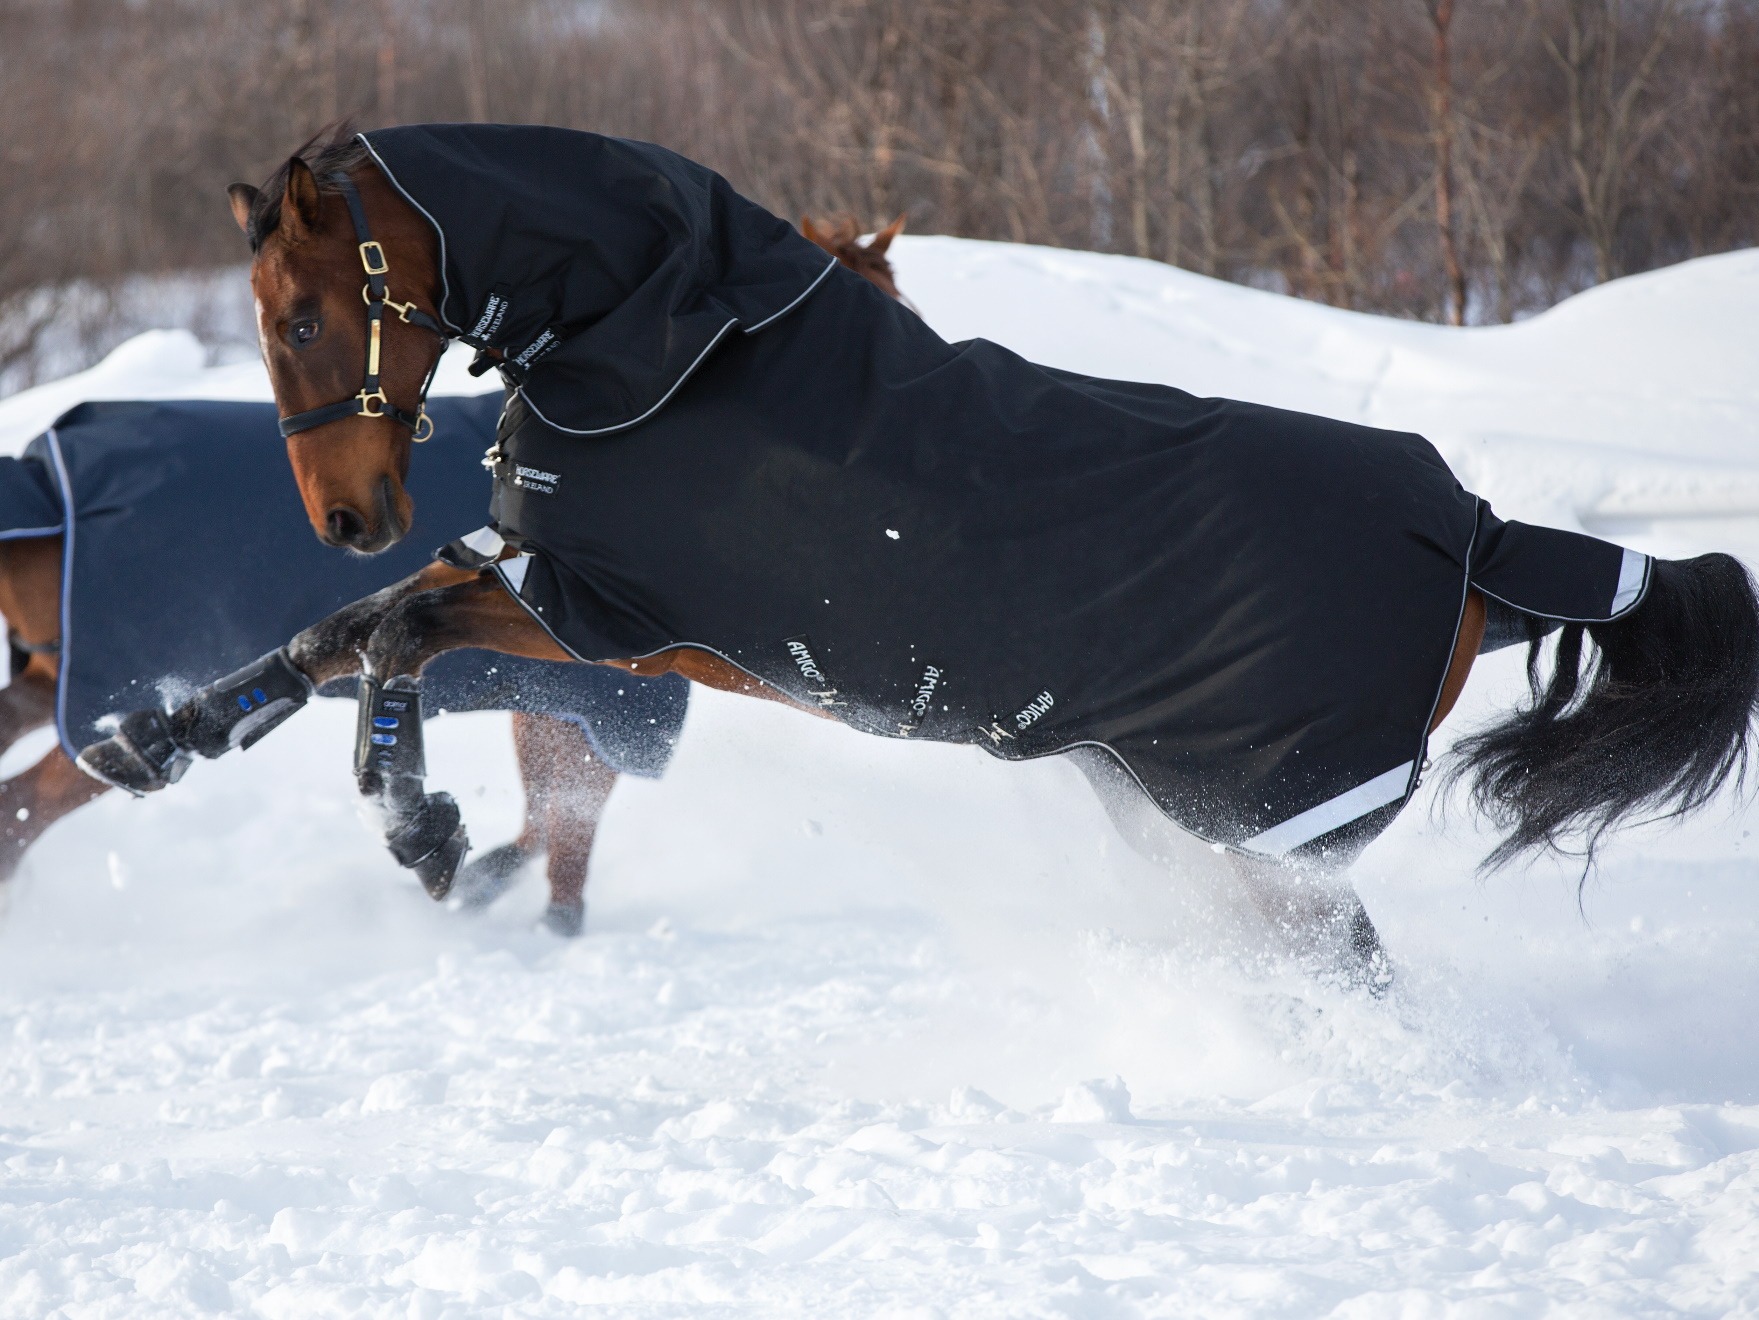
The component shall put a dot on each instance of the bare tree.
(1607, 87)
(1462, 158)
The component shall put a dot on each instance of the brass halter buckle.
(372, 256)
(402, 309)
(373, 405)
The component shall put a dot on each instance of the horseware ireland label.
(536, 479)
(536, 349)
(488, 325)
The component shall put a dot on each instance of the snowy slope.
(869, 1029)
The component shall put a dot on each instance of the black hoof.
(1370, 969)
(437, 869)
(564, 919)
(431, 842)
(139, 758)
(487, 877)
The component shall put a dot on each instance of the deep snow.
(872, 1029)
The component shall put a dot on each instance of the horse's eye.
(304, 332)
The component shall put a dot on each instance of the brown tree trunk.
(1441, 17)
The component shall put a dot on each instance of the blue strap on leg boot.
(424, 831)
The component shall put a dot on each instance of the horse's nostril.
(346, 526)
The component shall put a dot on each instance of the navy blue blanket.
(188, 554)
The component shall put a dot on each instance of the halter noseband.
(371, 401)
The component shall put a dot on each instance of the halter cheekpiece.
(371, 401)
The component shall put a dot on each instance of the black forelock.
(334, 149)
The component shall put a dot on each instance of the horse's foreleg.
(425, 831)
(33, 800)
(152, 748)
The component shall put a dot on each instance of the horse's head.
(841, 235)
(315, 282)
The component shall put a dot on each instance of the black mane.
(332, 150)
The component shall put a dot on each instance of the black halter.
(371, 401)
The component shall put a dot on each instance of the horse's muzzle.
(347, 529)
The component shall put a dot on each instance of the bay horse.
(1658, 722)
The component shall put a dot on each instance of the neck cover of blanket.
(1252, 610)
(603, 270)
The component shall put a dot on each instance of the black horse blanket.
(719, 441)
(188, 554)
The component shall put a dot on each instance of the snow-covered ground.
(864, 1029)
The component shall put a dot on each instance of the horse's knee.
(416, 628)
(404, 638)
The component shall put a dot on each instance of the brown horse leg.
(1316, 917)
(30, 600)
(26, 703)
(32, 801)
(567, 786)
(335, 646)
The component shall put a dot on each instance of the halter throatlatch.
(371, 401)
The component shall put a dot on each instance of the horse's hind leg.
(27, 702)
(33, 800)
(567, 787)
(1317, 917)
(485, 878)
(30, 598)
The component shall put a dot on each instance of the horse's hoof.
(437, 869)
(564, 919)
(1370, 969)
(487, 877)
(431, 842)
(139, 758)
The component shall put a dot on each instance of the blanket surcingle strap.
(1251, 610)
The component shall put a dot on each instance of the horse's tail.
(1656, 726)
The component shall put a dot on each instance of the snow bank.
(865, 1028)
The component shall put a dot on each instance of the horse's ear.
(811, 230)
(883, 239)
(303, 206)
(243, 197)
